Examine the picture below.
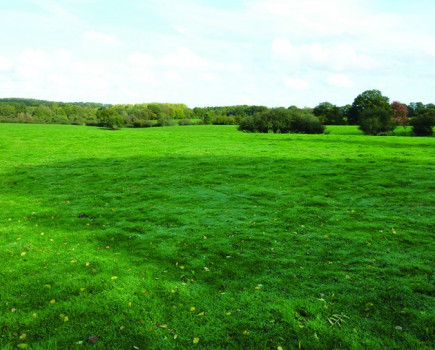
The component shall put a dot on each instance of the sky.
(217, 52)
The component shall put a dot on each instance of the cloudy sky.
(217, 52)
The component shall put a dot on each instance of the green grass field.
(205, 237)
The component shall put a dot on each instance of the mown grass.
(206, 237)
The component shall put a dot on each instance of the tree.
(370, 99)
(424, 123)
(329, 114)
(376, 121)
(400, 113)
(281, 120)
(110, 117)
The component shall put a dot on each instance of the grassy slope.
(265, 236)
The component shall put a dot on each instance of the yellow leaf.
(35, 314)
(22, 346)
(192, 308)
(182, 267)
(23, 253)
(23, 336)
(279, 348)
(114, 278)
(206, 269)
(87, 263)
(257, 287)
(65, 319)
(228, 313)
(195, 340)
(82, 289)
(201, 314)
(129, 304)
(52, 301)
(163, 326)
(73, 261)
(245, 332)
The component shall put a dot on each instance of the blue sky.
(268, 52)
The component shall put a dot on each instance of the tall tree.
(400, 113)
(370, 99)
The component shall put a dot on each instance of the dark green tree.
(370, 99)
(376, 121)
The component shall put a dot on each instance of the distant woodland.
(369, 107)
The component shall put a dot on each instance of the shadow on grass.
(234, 224)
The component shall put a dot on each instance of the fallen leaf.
(114, 278)
(195, 340)
(65, 319)
(201, 314)
(87, 264)
(192, 308)
(23, 336)
(35, 314)
(23, 253)
(22, 346)
(246, 332)
(52, 301)
(92, 339)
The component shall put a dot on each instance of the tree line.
(372, 111)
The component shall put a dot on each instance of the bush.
(306, 124)
(165, 121)
(115, 122)
(141, 123)
(423, 124)
(60, 119)
(376, 121)
(184, 122)
(111, 118)
(281, 120)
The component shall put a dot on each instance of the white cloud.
(94, 37)
(184, 58)
(337, 57)
(5, 64)
(142, 60)
(296, 84)
(339, 80)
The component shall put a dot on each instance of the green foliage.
(165, 121)
(376, 121)
(370, 99)
(424, 123)
(110, 118)
(329, 114)
(281, 120)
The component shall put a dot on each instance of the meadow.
(206, 237)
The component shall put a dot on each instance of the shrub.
(306, 124)
(141, 123)
(60, 119)
(110, 117)
(184, 122)
(423, 124)
(165, 121)
(376, 121)
(281, 120)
